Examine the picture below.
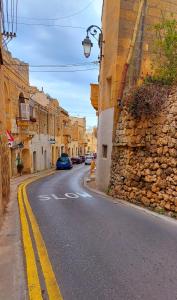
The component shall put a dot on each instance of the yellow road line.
(49, 276)
(32, 274)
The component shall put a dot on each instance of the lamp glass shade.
(87, 45)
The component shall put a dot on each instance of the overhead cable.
(50, 25)
(61, 18)
(16, 14)
(59, 71)
(11, 13)
(55, 65)
(7, 12)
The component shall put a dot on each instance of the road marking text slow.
(64, 197)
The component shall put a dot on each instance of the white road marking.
(71, 195)
(57, 198)
(84, 195)
(44, 197)
(64, 197)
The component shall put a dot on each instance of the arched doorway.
(34, 162)
(53, 156)
(26, 161)
(45, 159)
(13, 162)
(62, 149)
(57, 153)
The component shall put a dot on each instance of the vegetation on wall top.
(165, 52)
(147, 100)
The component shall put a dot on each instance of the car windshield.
(63, 159)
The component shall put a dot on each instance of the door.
(34, 162)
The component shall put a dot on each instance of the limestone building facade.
(119, 21)
(91, 137)
(79, 135)
(37, 127)
(4, 151)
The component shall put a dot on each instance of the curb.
(126, 203)
(36, 177)
(13, 283)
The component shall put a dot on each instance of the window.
(21, 100)
(31, 111)
(24, 111)
(63, 159)
(105, 151)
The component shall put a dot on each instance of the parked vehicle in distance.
(95, 155)
(64, 163)
(82, 157)
(64, 155)
(76, 160)
(88, 159)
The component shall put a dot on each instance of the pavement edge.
(126, 203)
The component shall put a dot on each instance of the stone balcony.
(94, 95)
(27, 127)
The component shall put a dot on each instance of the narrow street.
(84, 86)
(100, 249)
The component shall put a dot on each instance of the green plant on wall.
(165, 52)
(147, 99)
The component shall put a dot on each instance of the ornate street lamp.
(87, 44)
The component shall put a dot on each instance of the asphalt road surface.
(102, 250)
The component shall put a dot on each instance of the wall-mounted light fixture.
(87, 44)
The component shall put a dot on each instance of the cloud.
(59, 45)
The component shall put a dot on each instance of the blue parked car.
(64, 163)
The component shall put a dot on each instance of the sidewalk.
(90, 184)
(12, 274)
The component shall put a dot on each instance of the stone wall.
(4, 154)
(144, 158)
(5, 175)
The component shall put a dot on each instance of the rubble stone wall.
(4, 152)
(5, 176)
(144, 158)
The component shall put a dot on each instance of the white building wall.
(43, 161)
(103, 165)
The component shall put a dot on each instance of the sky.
(55, 45)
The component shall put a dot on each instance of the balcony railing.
(22, 122)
